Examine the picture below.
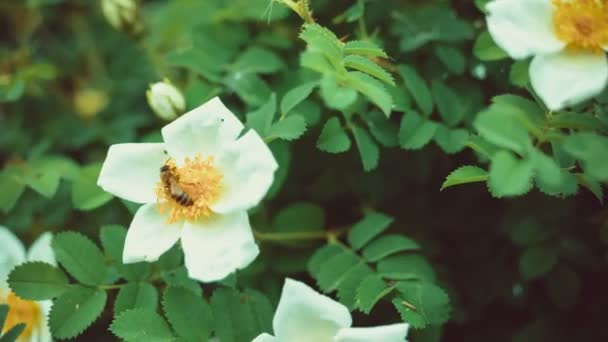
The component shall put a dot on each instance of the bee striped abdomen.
(182, 199)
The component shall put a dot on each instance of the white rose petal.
(205, 130)
(41, 250)
(248, 167)
(523, 27)
(218, 246)
(12, 254)
(566, 78)
(386, 333)
(306, 315)
(131, 171)
(149, 236)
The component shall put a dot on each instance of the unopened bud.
(121, 14)
(165, 100)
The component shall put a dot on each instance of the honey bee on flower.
(195, 187)
(567, 39)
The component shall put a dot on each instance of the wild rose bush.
(282, 170)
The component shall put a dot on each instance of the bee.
(172, 187)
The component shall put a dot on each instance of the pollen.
(22, 311)
(198, 180)
(582, 24)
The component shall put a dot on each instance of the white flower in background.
(303, 315)
(33, 313)
(567, 38)
(120, 14)
(196, 187)
(165, 100)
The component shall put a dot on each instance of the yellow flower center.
(186, 192)
(582, 24)
(22, 311)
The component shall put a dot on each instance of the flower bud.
(165, 100)
(121, 14)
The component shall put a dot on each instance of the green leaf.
(364, 48)
(367, 66)
(113, 241)
(296, 95)
(368, 149)
(383, 129)
(86, 194)
(453, 59)
(289, 128)
(12, 335)
(537, 261)
(335, 95)
(179, 278)
(319, 39)
(464, 175)
(12, 189)
(299, 217)
(371, 290)
(418, 88)
(261, 119)
(406, 267)
(486, 49)
(240, 317)
(75, 310)
(592, 150)
(189, 315)
(592, 185)
(136, 296)
(347, 291)
(141, 325)
(80, 257)
(567, 186)
(41, 178)
(451, 140)
(428, 299)
(448, 102)
(334, 270)
(3, 314)
(415, 131)
(412, 317)
(37, 281)
(518, 75)
(320, 256)
(372, 89)
(509, 176)
(387, 245)
(258, 60)
(251, 88)
(372, 225)
(528, 113)
(315, 61)
(199, 61)
(502, 129)
(546, 169)
(333, 138)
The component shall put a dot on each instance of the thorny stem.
(300, 8)
(328, 235)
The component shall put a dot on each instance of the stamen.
(582, 24)
(21, 311)
(187, 192)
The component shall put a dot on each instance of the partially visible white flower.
(121, 14)
(304, 315)
(196, 188)
(165, 100)
(567, 38)
(33, 313)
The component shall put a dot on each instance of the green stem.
(299, 236)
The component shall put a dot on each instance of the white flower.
(33, 313)
(165, 100)
(303, 315)
(210, 180)
(567, 39)
(119, 13)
